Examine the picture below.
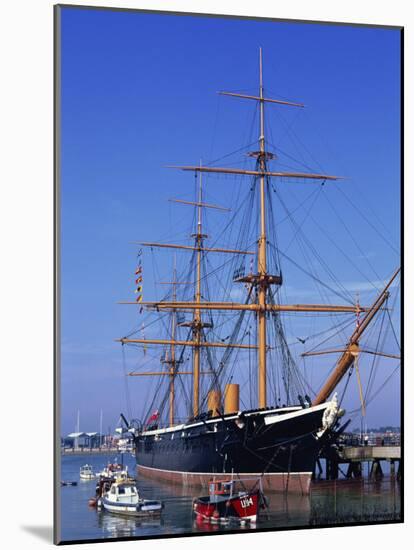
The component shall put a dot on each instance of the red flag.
(155, 415)
(138, 270)
(139, 280)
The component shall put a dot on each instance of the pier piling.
(355, 456)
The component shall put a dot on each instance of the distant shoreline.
(87, 451)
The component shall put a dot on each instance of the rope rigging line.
(287, 128)
(307, 243)
(351, 370)
(340, 328)
(299, 227)
(228, 351)
(298, 162)
(299, 206)
(396, 250)
(316, 279)
(393, 331)
(352, 237)
(164, 400)
(297, 142)
(138, 329)
(126, 386)
(375, 359)
(373, 396)
(290, 378)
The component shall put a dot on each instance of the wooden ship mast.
(262, 280)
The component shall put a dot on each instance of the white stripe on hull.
(281, 415)
(289, 416)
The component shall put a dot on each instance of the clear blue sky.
(139, 93)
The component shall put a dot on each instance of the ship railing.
(161, 426)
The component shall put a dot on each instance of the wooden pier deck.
(371, 452)
(353, 458)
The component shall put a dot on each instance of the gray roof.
(74, 435)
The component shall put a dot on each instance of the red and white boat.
(224, 504)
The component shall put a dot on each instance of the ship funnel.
(214, 402)
(231, 401)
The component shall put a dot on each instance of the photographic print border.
(57, 334)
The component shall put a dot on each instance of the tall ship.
(222, 320)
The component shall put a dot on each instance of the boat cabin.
(123, 493)
(219, 489)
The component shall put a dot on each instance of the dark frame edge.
(56, 272)
(402, 144)
(228, 16)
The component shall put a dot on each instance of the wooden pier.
(353, 457)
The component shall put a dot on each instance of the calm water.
(330, 502)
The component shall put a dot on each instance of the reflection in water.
(286, 510)
(117, 526)
(347, 501)
(205, 527)
(330, 502)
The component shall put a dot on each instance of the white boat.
(125, 446)
(86, 472)
(114, 471)
(123, 498)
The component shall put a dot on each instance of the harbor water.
(330, 502)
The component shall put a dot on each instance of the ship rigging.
(270, 436)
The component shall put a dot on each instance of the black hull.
(251, 443)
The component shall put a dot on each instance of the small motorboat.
(115, 471)
(68, 483)
(86, 472)
(123, 498)
(224, 504)
(105, 483)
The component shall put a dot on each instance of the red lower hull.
(295, 482)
